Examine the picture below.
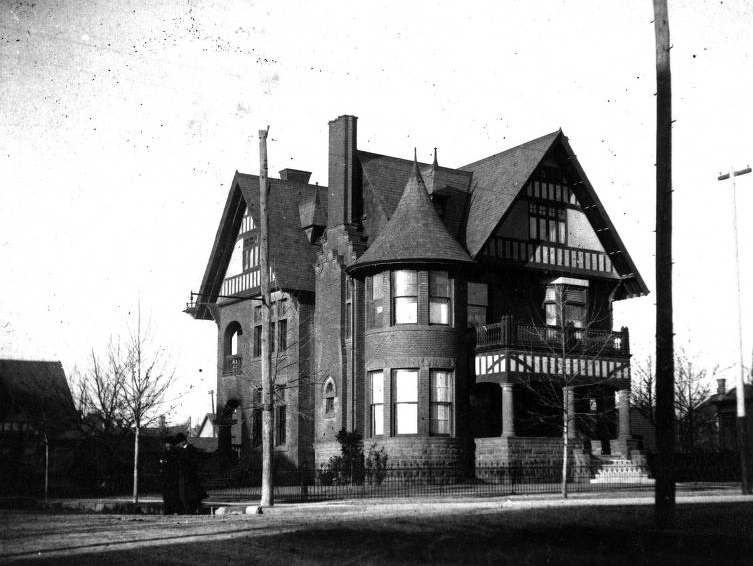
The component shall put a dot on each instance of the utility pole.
(742, 429)
(267, 385)
(664, 494)
(211, 392)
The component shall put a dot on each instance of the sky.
(122, 124)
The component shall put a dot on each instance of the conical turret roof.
(415, 234)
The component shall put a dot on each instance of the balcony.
(233, 365)
(509, 333)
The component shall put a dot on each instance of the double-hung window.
(440, 298)
(405, 297)
(478, 302)
(374, 301)
(441, 402)
(376, 383)
(405, 392)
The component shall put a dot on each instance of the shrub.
(376, 464)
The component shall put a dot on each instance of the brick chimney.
(343, 204)
(721, 386)
(295, 175)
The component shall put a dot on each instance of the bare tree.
(643, 393)
(571, 339)
(146, 381)
(693, 388)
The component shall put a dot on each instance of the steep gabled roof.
(497, 180)
(386, 176)
(415, 234)
(291, 255)
(36, 393)
(311, 209)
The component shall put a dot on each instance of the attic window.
(547, 223)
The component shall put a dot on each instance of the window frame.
(397, 404)
(547, 223)
(470, 305)
(397, 300)
(435, 299)
(375, 301)
(376, 408)
(329, 395)
(448, 403)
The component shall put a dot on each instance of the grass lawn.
(487, 534)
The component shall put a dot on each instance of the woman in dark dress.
(189, 487)
(169, 476)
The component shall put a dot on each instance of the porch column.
(570, 399)
(508, 423)
(623, 400)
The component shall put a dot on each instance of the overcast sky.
(123, 123)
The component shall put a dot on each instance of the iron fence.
(434, 481)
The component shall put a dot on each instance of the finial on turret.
(435, 164)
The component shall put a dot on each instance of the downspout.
(353, 353)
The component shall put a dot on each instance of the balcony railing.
(510, 333)
(233, 365)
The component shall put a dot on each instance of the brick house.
(427, 307)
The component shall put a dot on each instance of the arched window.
(231, 348)
(329, 397)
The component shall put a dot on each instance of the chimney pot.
(721, 386)
(295, 175)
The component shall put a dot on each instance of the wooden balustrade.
(510, 333)
(233, 365)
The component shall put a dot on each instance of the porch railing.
(510, 333)
(233, 365)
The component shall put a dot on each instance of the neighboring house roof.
(414, 234)
(291, 255)
(207, 427)
(36, 394)
(730, 397)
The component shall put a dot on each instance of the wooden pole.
(664, 495)
(267, 383)
(742, 429)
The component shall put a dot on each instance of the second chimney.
(721, 386)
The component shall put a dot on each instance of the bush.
(347, 468)
(375, 464)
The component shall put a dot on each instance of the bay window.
(441, 402)
(374, 301)
(405, 297)
(376, 385)
(440, 297)
(405, 391)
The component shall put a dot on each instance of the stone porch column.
(623, 400)
(508, 422)
(570, 399)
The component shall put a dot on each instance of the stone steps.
(618, 470)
